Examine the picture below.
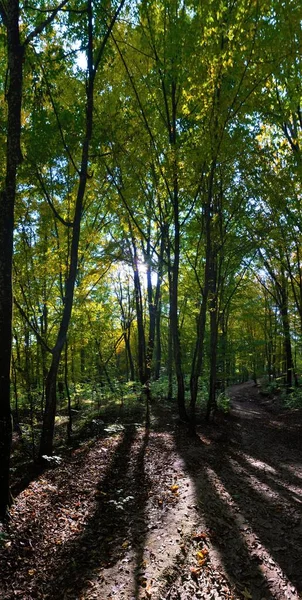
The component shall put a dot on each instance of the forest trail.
(158, 515)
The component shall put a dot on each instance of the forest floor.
(158, 515)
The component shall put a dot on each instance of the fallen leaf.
(174, 488)
(201, 535)
(201, 554)
(195, 572)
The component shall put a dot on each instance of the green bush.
(223, 402)
(293, 399)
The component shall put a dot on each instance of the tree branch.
(28, 321)
(3, 13)
(107, 35)
(49, 201)
(31, 36)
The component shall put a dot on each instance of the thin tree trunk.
(174, 318)
(69, 422)
(158, 343)
(142, 371)
(129, 353)
(154, 303)
(289, 364)
(197, 359)
(46, 444)
(211, 405)
(197, 362)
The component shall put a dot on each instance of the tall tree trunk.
(46, 443)
(142, 369)
(170, 333)
(197, 358)
(93, 62)
(170, 363)
(154, 303)
(174, 317)
(129, 352)
(69, 423)
(289, 363)
(7, 202)
(211, 405)
(174, 320)
(157, 361)
(197, 361)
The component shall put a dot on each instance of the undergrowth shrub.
(293, 399)
(223, 402)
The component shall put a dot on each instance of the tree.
(16, 49)
(93, 62)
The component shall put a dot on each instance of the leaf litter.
(157, 515)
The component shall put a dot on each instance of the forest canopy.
(150, 204)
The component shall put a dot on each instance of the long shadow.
(277, 480)
(120, 515)
(240, 568)
(274, 527)
(98, 544)
(118, 523)
(275, 520)
(269, 519)
(140, 522)
(104, 534)
(274, 514)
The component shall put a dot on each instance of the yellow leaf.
(201, 554)
(31, 572)
(174, 488)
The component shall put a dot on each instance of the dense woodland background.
(151, 175)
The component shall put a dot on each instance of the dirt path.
(155, 514)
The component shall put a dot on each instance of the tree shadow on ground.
(119, 522)
(215, 509)
(243, 497)
(102, 507)
(228, 485)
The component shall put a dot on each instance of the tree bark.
(15, 53)
(289, 363)
(211, 405)
(197, 361)
(46, 443)
(157, 361)
(93, 61)
(142, 367)
(154, 307)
